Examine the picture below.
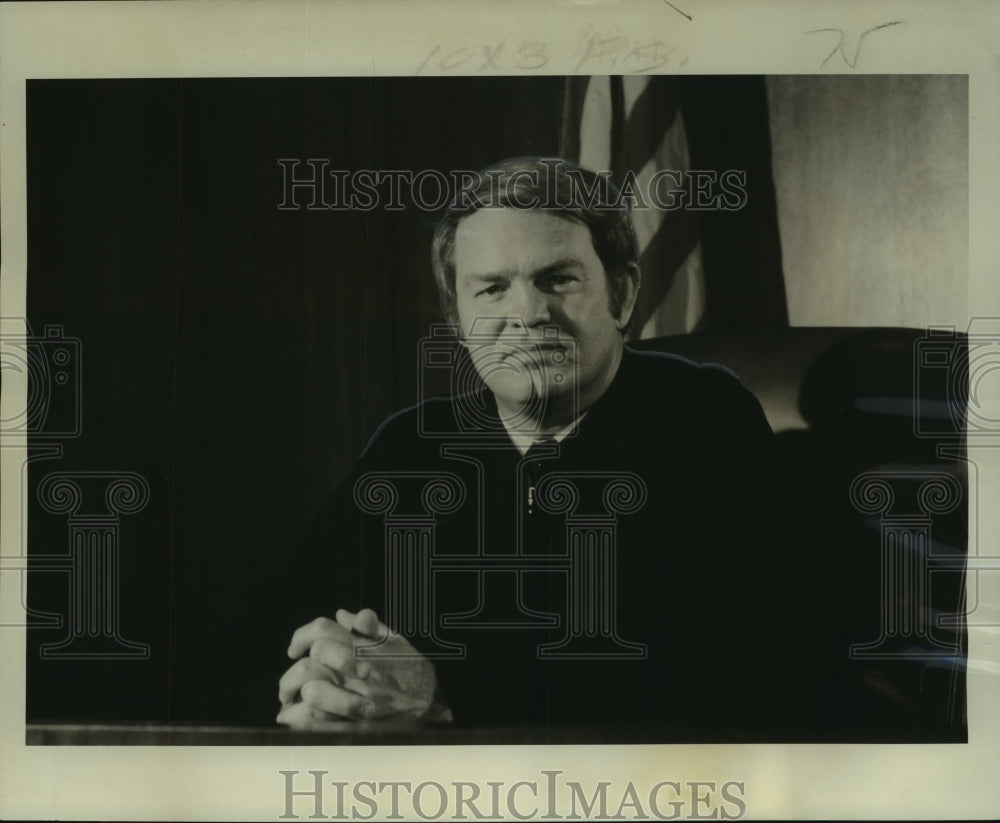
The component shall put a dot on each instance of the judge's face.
(533, 302)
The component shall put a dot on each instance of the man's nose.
(527, 306)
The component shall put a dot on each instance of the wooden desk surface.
(370, 734)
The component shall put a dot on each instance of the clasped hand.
(330, 683)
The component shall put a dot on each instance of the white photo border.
(296, 38)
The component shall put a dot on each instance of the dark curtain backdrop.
(235, 355)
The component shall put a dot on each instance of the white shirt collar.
(523, 440)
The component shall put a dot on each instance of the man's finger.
(345, 618)
(339, 657)
(366, 624)
(304, 716)
(308, 634)
(363, 624)
(304, 670)
(323, 695)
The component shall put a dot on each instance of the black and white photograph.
(518, 405)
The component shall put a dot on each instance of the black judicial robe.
(626, 579)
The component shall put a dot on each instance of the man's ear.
(629, 295)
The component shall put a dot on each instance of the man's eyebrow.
(558, 265)
(488, 277)
(503, 276)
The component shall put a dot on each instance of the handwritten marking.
(528, 56)
(427, 59)
(608, 51)
(842, 41)
(688, 16)
(491, 55)
(619, 53)
(532, 49)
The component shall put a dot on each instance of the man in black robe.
(578, 538)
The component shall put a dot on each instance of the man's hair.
(545, 184)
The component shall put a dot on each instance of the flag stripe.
(633, 123)
(619, 149)
(652, 116)
(574, 93)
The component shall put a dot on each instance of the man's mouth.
(533, 349)
(523, 353)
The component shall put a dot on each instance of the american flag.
(637, 123)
